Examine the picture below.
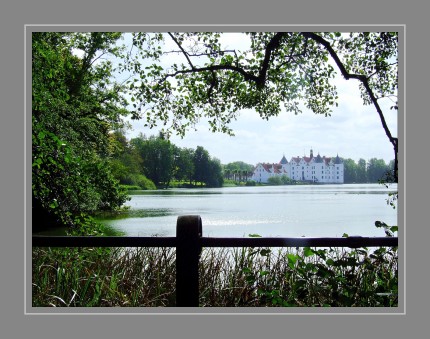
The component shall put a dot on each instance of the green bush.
(131, 187)
(143, 182)
(280, 180)
(275, 180)
(138, 181)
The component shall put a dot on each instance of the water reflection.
(138, 213)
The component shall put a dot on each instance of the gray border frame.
(169, 310)
(15, 14)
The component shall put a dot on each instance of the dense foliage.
(281, 180)
(75, 103)
(238, 171)
(161, 162)
(373, 170)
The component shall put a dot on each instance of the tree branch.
(393, 140)
(271, 46)
(365, 81)
(247, 76)
(182, 49)
(214, 53)
(334, 55)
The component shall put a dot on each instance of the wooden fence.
(189, 243)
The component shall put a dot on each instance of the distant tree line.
(238, 171)
(150, 162)
(364, 171)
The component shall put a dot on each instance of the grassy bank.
(247, 277)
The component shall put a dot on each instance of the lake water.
(271, 211)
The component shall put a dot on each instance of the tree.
(277, 69)
(239, 169)
(157, 156)
(362, 171)
(376, 169)
(124, 159)
(214, 178)
(75, 103)
(184, 164)
(201, 165)
(126, 162)
(350, 171)
(227, 173)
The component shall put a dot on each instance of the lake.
(271, 211)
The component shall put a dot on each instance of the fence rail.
(88, 241)
(189, 242)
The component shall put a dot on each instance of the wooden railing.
(189, 243)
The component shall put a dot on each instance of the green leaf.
(250, 278)
(53, 204)
(265, 252)
(246, 270)
(308, 251)
(330, 262)
(292, 259)
(37, 162)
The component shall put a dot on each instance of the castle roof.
(284, 160)
(269, 167)
(276, 168)
(318, 158)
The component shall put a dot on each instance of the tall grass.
(103, 277)
(229, 277)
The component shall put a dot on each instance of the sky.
(352, 131)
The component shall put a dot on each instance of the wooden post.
(188, 233)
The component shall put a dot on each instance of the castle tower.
(283, 160)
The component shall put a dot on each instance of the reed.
(229, 277)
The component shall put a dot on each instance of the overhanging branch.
(260, 80)
(182, 50)
(247, 76)
(365, 81)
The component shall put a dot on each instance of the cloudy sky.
(352, 131)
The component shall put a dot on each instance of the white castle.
(312, 169)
